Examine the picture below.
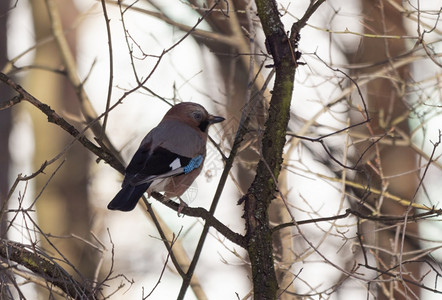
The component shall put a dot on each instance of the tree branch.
(55, 118)
(69, 62)
(210, 220)
(261, 192)
(49, 270)
(387, 220)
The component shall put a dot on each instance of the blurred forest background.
(357, 208)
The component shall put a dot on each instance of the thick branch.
(49, 270)
(261, 192)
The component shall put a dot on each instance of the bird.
(169, 158)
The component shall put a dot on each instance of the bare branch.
(49, 270)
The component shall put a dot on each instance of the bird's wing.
(181, 138)
(145, 167)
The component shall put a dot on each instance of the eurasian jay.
(169, 158)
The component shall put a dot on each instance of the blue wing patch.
(193, 164)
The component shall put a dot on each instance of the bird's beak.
(215, 119)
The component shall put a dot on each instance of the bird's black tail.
(127, 197)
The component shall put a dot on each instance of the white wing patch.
(175, 164)
(176, 169)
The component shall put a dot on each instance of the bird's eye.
(198, 116)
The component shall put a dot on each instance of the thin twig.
(111, 68)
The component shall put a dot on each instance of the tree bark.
(262, 191)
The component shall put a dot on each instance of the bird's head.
(193, 114)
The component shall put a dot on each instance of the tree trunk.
(5, 158)
(63, 207)
(386, 102)
(5, 117)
